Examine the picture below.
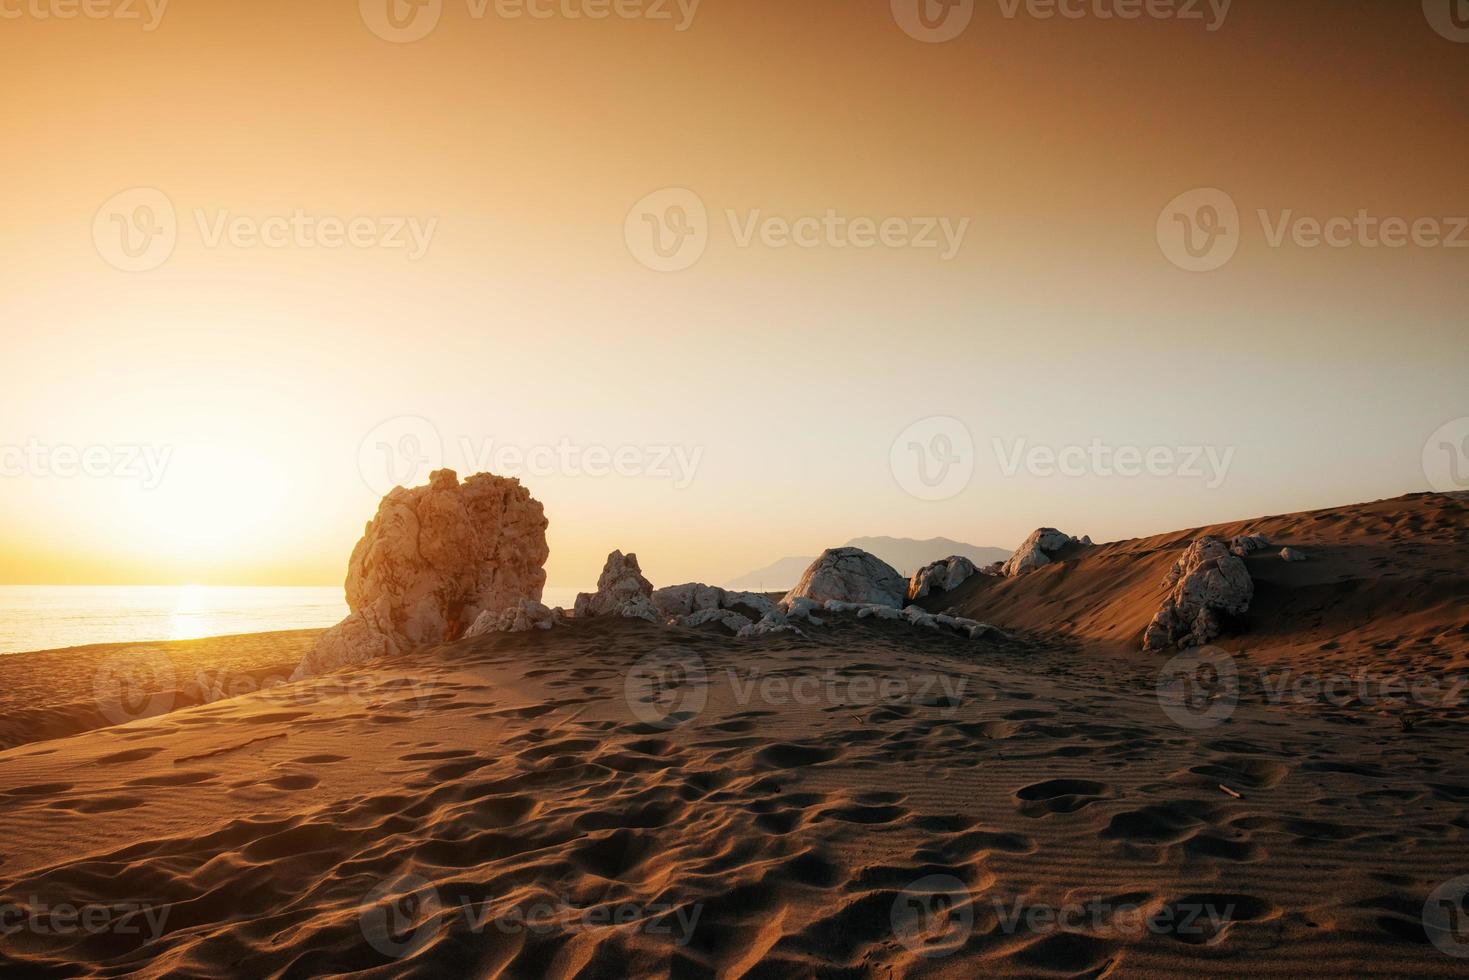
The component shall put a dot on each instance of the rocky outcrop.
(1248, 544)
(621, 591)
(940, 576)
(431, 562)
(727, 618)
(1206, 583)
(774, 622)
(850, 575)
(675, 601)
(1038, 550)
(524, 616)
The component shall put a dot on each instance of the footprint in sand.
(1060, 796)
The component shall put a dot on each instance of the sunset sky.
(268, 374)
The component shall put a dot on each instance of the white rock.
(1248, 544)
(727, 618)
(1037, 550)
(1206, 583)
(872, 609)
(770, 623)
(850, 575)
(525, 615)
(681, 600)
(940, 576)
(430, 562)
(620, 587)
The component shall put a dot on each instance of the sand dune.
(613, 798)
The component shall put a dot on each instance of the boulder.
(524, 616)
(431, 561)
(621, 591)
(682, 600)
(774, 622)
(940, 576)
(1248, 544)
(1206, 583)
(727, 618)
(1038, 549)
(1291, 554)
(674, 601)
(850, 575)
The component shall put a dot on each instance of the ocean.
(48, 617)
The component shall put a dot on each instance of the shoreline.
(57, 693)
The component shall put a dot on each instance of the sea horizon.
(37, 618)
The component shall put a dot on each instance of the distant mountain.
(907, 555)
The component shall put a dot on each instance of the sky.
(720, 282)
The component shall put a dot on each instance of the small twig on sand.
(1230, 792)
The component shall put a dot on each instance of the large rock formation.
(1207, 582)
(940, 576)
(1037, 550)
(850, 575)
(621, 591)
(431, 562)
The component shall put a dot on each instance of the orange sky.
(788, 372)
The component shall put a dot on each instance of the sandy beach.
(614, 798)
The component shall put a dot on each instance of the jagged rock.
(800, 607)
(1207, 582)
(676, 601)
(940, 576)
(850, 575)
(524, 616)
(673, 601)
(772, 622)
(431, 561)
(1038, 549)
(1248, 544)
(753, 601)
(364, 635)
(874, 610)
(918, 617)
(727, 618)
(621, 591)
(1291, 554)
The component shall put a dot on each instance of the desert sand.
(613, 798)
